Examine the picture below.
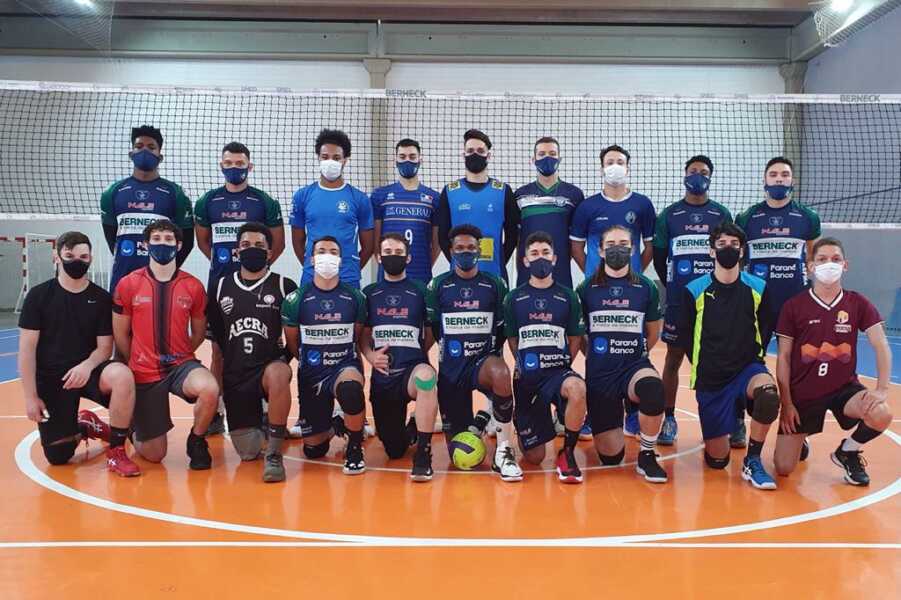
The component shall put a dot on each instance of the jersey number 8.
(824, 368)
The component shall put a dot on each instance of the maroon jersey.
(824, 341)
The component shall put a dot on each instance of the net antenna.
(839, 20)
(91, 21)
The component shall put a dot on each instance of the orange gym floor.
(77, 532)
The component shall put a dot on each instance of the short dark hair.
(327, 238)
(701, 159)
(333, 136)
(545, 140)
(539, 237)
(393, 235)
(776, 160)
(475, 134)
(465, 229)
(615, 148)
(255, 227)
(727, 228)
(162, 225)
(236, 148)
(70, 239)
(408, 142)
(147, 131)
(826, 241)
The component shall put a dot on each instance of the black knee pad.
(716, 463)
(609, 461)
(350, 397)
(502, 408)
(650, 396)
(395, 449)
(317, 451)
(766, 404)
(59, 454)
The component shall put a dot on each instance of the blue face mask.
(162, 253)
(540, 267)
(547, 166)
(466, 260)
(407, 168)
(235, 175)
(697, 184)
(145, 160)
(778, 192)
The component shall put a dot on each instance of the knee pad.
(650, 395)
(59, 454)
(316, 451)
(502, 408)
(716, 463)
(248, 442)
(609, 461)
(766, 404)
(350, 397)
(395, 449)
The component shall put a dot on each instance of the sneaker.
(217, 425)
(199, 453)
(480, 423)
(412, 431)
(753, 472)
(853, 464)
(353, 460)
(668, 432)
(505, 463)
(647, 466)
(274, 468)
(805, 450)
(631, 428)
(422, 466)
(92, 426)
(739, 436)
(585, 433)
(567, 469)
(295, 432)
(117, 462)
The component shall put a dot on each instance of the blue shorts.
(317, 400)
(669, 333)
(455, 396)
(606, 396)
(532, 409)
(717, 408)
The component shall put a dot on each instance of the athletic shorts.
(389, 408)
(152, 418)
(532, 407)
(813, 413)
(317, 400)
(63, 404)
(455, 396)
(716, 408)
(669, 333)
(607, 394)
(243, 406)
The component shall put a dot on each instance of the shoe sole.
(661, 442)
(647, 477)
(569, 478)
(353, 471)
(765, 486)
(507, 478)
(420, 478)
(847, 477)
(200, 467)
(274, 480)
(120, 474)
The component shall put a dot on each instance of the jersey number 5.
(248, 345)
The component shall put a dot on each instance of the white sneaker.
(492, 427)
(505, 464)
(295, 432)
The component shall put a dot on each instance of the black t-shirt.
(69, 324)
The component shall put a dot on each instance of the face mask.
(330, 169)
(617, 257)
(253, 259)
(235, 175)
(778, 192)
(540, 267)
(145, 160)
(476, 163)
(466, 260)
(697, 184)
(407, 168)
(326, 265)
(162, 253)
(829, 272)
(728, 257)
(547, 166)
(615, 175)
(394, 264)
(76, 269)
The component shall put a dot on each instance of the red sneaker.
(118, 462)
(92, 426)
(567, 469)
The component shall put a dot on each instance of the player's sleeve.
(198, 295)
(661, 244)
(30, 317)
(653, 313)
(367, 293)
(511, 223)
(432, 308)
(765, 314)
(273, 211)
(727, 216)
(184, 215)
(576, 325)
(122, 296)
(510, 328)
(785, 326)
(291, 309)
(580, 292)
(360, 300)
(298, 210)
(105, 323)
(742, 219)
(868, 314)
(815, 228)
(578, 229)
(108, 219)
(378, 210)
(688, 314)
(288, 286)
(648, 220)
(214, 316)
(499, 323)
(443, 221)
(200, 211)
(364, 212)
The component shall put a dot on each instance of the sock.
(423, 441)
(647, 441)
(355, 438)
(277, 434)
(117, 436)
(850, 444)
(754, 447)
(221, 408)
(671, 411)
(570, 439)
(193, 437)
(864, 434)
(504, 433)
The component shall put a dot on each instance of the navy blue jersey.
(326, 321)
(615, 315)
(467, 318)
(551, 211)
(396, 312)
(410, 213)
(541, 320)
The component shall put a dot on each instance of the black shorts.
(532, 409)
(152, 418)
(607, 394)
(455, 397)
(63, 404)
(813, 414)
(317, 400)
(243, 400)
(389, 408)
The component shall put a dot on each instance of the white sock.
(850, 445)
(504, 433)
(221, 409)
(647, 441)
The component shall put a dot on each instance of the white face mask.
(326, 265)
(615, 175)
(330, 169)
(829, 272)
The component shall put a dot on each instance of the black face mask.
(76, 269)
(617, 257)
(728, 257)
(476, 163)
(394, 264)
(253, 259)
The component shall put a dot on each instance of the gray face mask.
(617, 257)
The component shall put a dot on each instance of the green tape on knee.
(426, 385)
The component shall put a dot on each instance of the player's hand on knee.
(873, 398)
(379, 360)
(789, 418)
(76, 377)
(36, 410)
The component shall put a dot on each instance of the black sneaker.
(647, 466)
(198, 453)
(805, 450)
(217, 425)
(353, 460)
(338, 426)
(853, 464)
(422, 465)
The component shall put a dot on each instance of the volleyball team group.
(731, 285)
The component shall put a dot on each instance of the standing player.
(544, 327)
(622, 312)
(817, 366)
(322, 320)
(682, 253)
(408, 208)
(467, 318)
(159, 321)
(395, 341)
(723, 322)
(65, 341)
(329, 207)
(547, 204)
(245, 318)
(482, 201)
(129, 205)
